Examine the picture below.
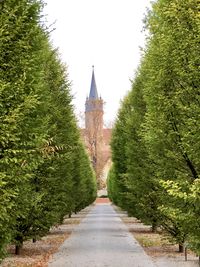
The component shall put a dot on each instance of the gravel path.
(101, 240)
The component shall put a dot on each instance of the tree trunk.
(19, 246)
(185, 253)
(70, 214)
(18, 249)
(154, 227)
(34, 240)
(181, 248)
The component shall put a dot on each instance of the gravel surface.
(161, 255)
(175, 262)
(101, 240)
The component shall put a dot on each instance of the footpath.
(101, 240)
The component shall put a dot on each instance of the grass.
(148, 240)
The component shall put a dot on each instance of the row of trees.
(45, 172)
(156, 140)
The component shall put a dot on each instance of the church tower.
(94, 123)
(94, 108)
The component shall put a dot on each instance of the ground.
(156, 245)
(101, 240)
(38, 254)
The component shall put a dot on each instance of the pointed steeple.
(93, 102)
(93, 88)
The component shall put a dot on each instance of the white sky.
(103, 33)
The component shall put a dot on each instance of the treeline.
(156, 138)
(45, 172)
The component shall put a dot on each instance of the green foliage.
(20, 84)
(156, 141)
(45, 172)
(172, 97)
(113, 187)
(118, 145)
(138, 193)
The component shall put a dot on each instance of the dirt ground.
(157, 246)
(38, 254)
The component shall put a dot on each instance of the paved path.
(101, 240)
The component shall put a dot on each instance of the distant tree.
(112, 187)
(143, 190)
(131, 182)
(118, 145)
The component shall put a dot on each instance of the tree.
(143, 189)
(113, 187)
(56, 184)
(133, 169)
(156, 138)
(39, 137)
(118, 145)
(172, 97)
(21, 132)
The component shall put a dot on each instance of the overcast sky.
(104, 33)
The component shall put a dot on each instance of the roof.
(93, 88)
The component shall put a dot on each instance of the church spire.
(93, 102)
(93, 88)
